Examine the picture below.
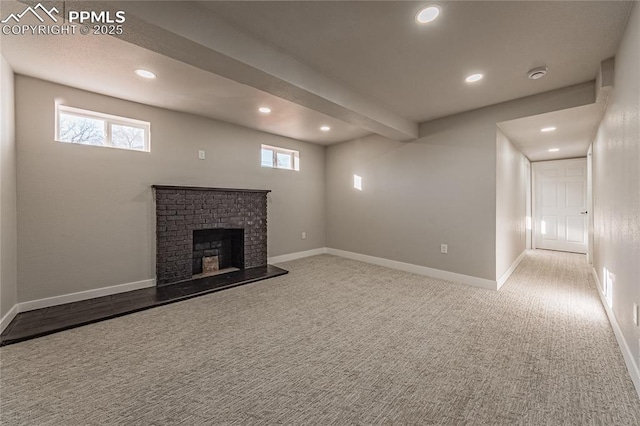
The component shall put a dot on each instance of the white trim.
(632, 367)
(417, 269)
(83, 295)
(503, 279)
(533, 209)
(8, 317)
(109, 121)
(535, 165)
(295, 157)
(297, 255)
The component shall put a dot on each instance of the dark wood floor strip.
(40, 322)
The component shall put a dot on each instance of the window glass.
(267, 158)
(127, 137)
(284, 161)
(280, 158)
(84, 130)
(85, 127)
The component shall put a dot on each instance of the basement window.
(79, 126)
(280, 158)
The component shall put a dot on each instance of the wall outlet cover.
(444, 248)
(201, 155)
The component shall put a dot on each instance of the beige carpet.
(339, 342)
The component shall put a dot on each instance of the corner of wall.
(8, 213)
(511, 207)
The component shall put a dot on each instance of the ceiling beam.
(192, 34)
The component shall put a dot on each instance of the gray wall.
(8, 227)
(616, 185)
(87, 217)
(511, 203)
(440, 188)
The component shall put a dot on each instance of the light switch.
(201, 155)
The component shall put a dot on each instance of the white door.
(560, 193)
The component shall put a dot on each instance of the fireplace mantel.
(204, 188)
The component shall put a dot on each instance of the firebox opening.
(217, 251)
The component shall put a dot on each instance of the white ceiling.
(575, 128)
(87, 62)
(360, 67)
(418, 71)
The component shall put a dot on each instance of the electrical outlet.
(635, 314)
(201, 155)
(304, 235)
(444, 248)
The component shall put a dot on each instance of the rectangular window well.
(280, 158)
(79, 126)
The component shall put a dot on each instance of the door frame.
(532, 202)
(532, 198)
(590, 224)
(528, 224)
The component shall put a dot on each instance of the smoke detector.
(537, 73)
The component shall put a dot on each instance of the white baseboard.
(297, 255)
(632, 366)
(503, 279)
(8, 317)
(83, 295)
(416, 269)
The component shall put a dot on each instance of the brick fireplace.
(192, 222)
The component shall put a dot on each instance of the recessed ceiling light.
(473, 78)
(554, 150)
(427, 14)
(145, 73)
(264, 110)
(548, 129)
(325, 128)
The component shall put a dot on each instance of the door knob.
(584, 212)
